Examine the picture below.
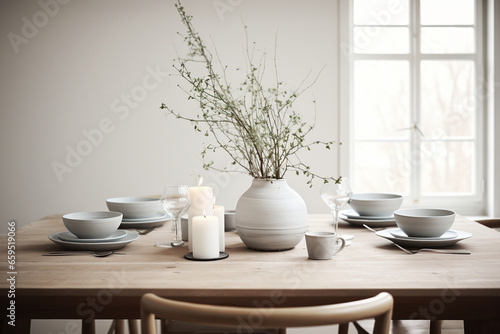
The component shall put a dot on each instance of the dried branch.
(256, 126)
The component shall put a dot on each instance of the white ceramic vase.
(271, 216)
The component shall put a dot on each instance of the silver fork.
(445, 251)
(96, 254)
(145, 231)
(372, 229)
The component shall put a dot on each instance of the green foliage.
(255, 125)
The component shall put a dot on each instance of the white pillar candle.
(205, 237)
(202, 199)
(219, 213)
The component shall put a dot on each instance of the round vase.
(271, 216)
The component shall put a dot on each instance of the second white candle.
(205, 237)
(219, 213)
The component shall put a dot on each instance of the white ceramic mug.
(323, 245)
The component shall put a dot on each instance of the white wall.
(67, 66)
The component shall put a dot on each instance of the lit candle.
(219, 213)
(201, 204)
(205, 237)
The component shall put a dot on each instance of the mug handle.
(342, 240)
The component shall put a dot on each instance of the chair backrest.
(493, 223)
(378, 307)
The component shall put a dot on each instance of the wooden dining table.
(427, 285)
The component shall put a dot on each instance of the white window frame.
(475, 204)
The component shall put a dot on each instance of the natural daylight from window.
(415, 73)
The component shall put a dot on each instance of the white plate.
(145, 223)
(354, 215)
(371, 223)
(95, 246)
(68, 236)
(398, 233)
(423, 243)
(141, 220)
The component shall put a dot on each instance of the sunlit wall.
(82, 82)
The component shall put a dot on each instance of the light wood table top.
(425, 286)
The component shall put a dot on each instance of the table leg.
(88, 327)
(164, 324)
(435, 326)
(343, 328)
(23, 326)
(482, 326)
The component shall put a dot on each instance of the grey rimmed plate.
(145, 223)
(419, 242)
(95, 246)
(369, 222)
(68, 236)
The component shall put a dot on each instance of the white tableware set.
(372, 209)
(424, 228)
(93, 231)
(99, 230)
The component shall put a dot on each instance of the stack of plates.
(117, 240)
(352, 217)
(399, 237)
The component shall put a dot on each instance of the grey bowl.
(424, 223)
(136, 207)
(93, 224)
(375, 204)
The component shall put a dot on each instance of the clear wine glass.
(335, 195)
(175, 201)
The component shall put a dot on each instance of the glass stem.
(176, 229)
(335, 214)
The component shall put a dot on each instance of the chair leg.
(133, 326)
(119, 326)
(435, 327)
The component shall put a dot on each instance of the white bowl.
(136, 207)
(92, 225)
(424, 223)
(375, 204)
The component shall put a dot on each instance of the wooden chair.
(493, 223)
(249, 318)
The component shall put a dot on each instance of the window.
(412, 115)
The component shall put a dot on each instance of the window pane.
(444, 12)
(447, 98)
(381, 167)
(381, 12)
(369, 39)
(447, 167)
(447, 40)
(381, 99)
